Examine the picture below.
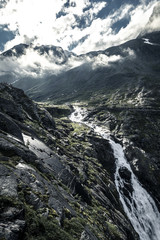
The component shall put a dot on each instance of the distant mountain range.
(21, 49)
(105, 75)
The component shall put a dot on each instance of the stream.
(137, 203)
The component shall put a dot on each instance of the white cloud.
(154, 21)
(129, 52)
(34, 64)
(101, 35)
(36, 22)
(103, 60)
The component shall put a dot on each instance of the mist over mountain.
(50, 73)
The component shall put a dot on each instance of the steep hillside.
(56, 177)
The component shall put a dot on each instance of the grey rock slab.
(8, 186)
(88, 235)
(11, 147)
(57, 201)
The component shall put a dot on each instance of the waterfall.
(137, 203)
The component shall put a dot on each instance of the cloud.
(74, 25)
(38, 20)
(154, 20)
(38, 64)
(103, 60)
(102, 36)
(3, 3)
(31, 64)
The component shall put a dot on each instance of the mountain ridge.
(19, 48)
(130, 63)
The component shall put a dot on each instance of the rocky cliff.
(138, 130)
(56, 176)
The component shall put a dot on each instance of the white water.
(137, 203)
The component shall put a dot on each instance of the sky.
(75, 25)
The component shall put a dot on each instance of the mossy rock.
(40, 227)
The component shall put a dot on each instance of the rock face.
(137, 128)
(56, 176)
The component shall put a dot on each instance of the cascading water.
(137, 203)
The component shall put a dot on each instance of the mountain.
(21, 49)
(108, 74)
(69, 179)
(16, 51)
(123, 70)
(48, 175)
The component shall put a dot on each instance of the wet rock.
(125, 174)
(104, 153)
(146, 169)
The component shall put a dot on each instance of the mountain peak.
(17, 50)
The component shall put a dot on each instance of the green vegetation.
(74, 227)
(114, 231)
(6, 201)
(42, 228)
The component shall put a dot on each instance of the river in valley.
(137, 203)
